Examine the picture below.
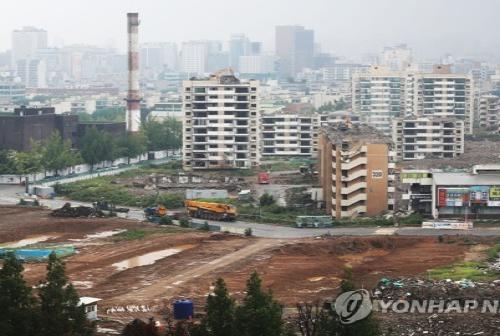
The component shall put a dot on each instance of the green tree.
(166, 135)
(7, 162)
(219, 320)
(130, 145)
(59, 310)
(260, 314)
(17, 315)
(58, 154)
(97, 146)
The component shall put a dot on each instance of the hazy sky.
(344, 27)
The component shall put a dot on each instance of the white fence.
(81, 172)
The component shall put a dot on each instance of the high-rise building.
(239, 45)
(11, 91)
(356, 171)
(221, 123)
(377, 97)
(417, 138)
(26, 42)
(294, 48)
(257, 64)
(32, 72)
(396, 58)
(194, 58)
(382, 94)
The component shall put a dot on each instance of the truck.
(209, 210)
(263, 178)
(154, 214)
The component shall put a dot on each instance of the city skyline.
(340, 27)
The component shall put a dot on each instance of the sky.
(349, 28)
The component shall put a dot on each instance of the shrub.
(184, 222)
(248, 232)
(166, 220)
(266, 200)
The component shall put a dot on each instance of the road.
(9, 195)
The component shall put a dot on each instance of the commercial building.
(461, 195)
(168, 109)
(221, 123)
(356, 171)
(489, 113)
(290, 134)
(194, 58)
(11, 92)
(32, 72)
(417, 138)
(294, 48)
(257, 64)
(397, 57)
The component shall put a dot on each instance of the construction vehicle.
(208, 210)
(154, 214)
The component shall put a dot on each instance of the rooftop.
(357, 132)
(458, 179)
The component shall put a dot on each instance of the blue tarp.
(39, 254)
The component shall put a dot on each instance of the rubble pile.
(473, 322)
(67, 211)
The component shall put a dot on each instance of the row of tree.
(53, 311)
(55, 154)
(259, 314)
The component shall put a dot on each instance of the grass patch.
(167, 168)
(135, 234)
(493, 253)
(102, 188)
(472, 270)
(281, 166)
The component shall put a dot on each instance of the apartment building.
(221, 123)
(378, 97)
(290, 134)
(382, 94)
(489, 113)
(417, 138)
(356, 171)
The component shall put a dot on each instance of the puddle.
(83, 284)
(99, 235)
(149, 258)
(27, 241)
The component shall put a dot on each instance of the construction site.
(138, 268)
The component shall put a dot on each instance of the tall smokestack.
(133, 98)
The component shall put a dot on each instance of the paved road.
(11, 194)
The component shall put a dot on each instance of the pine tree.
(260, 314)
(17, 316)
(219, 320)
(59, 310)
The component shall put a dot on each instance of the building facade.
(458, 195)
(417, 138)
(294, 48)
(221, 123)
(290, 134)
(489, 113)
(356, 171)
(381, 95)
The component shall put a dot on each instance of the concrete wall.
(377, 180)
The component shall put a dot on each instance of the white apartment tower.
(221, 123)
(382, 94)
(417, 138)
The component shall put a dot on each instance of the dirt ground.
(296, 270)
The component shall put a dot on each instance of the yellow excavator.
(213, 211)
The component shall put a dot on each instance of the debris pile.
(67, 211)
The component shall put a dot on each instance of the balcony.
(355, 199)
(353, 188)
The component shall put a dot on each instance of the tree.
(59, 310)
(166, 135)
(140, 328)
(260, 314)
(17, 316)
(7, 162)
(57, 154)
(219, 320)
(97, 146)
(130, 145)
(266, 200)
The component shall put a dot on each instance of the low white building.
(90, 305)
